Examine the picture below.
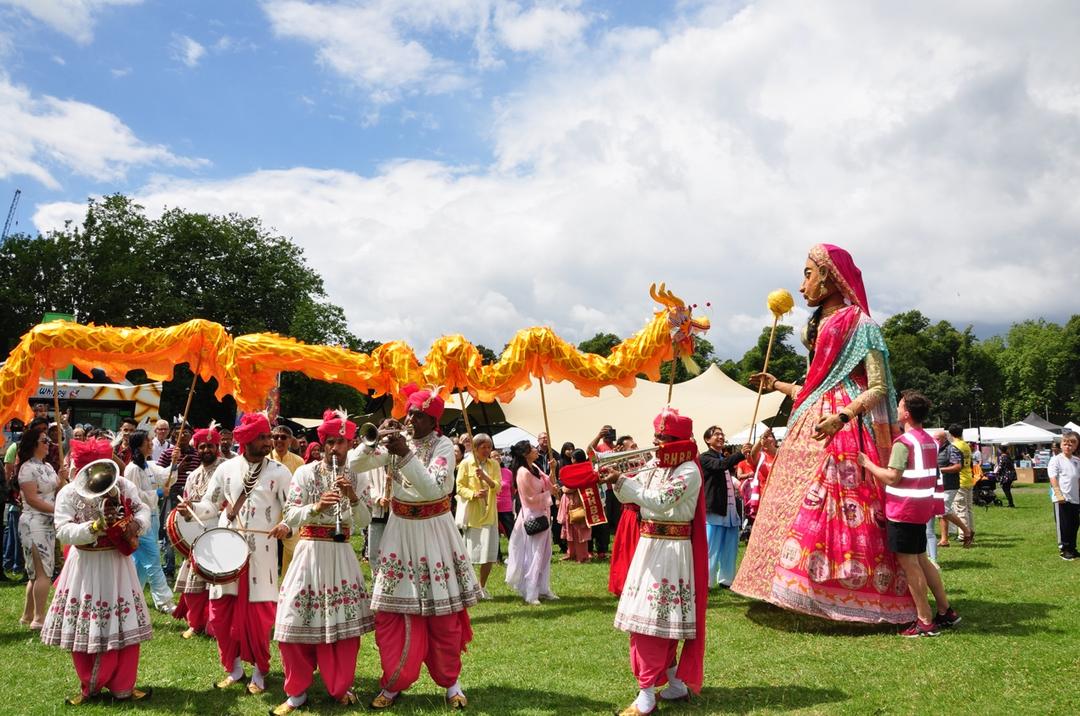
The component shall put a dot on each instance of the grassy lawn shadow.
(773, 617)
(751, 699)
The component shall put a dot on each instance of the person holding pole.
(816, 546)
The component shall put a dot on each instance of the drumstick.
(195, 517)
(245, 529)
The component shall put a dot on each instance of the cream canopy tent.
(711, 398)
(1016, 434)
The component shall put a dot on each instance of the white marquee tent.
(1015, 434)
(711, 398)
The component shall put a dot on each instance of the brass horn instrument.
(97, 481)
(369, 433)
(623, 462)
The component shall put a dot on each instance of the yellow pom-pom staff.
(780, 302)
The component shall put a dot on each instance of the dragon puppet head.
(682, 325)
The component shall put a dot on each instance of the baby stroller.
(983, 493)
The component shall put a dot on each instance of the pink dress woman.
(818, 543)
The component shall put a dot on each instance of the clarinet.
(339, 536)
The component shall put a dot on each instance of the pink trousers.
(112, 670)
(194, 607)
(650, 658)
(336, 663)
(407, 641)
(242, 632)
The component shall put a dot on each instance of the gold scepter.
(780, 302)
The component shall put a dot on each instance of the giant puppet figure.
(818, 544)
(324, 605)
(424, 581)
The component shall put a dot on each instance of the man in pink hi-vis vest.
(911, 482)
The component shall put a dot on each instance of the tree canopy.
(124, 268)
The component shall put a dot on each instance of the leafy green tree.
(600, 344)
(784, 362)
(123, 268)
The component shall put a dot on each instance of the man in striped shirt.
(911, 481)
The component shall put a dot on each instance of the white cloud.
(186, 50)
(42, 134)
(388, 47)
(939, 144)
(119, 72)
(538, 28)
(74, 18)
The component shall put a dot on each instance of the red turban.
(251, 426)
(206, 435)
(669, 422)
(336, 423)
(84, 452)
(424, 400)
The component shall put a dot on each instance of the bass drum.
(219, 555)
(182, 532)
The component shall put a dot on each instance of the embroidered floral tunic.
(98, 604)
(188, 580)
(323, 595)
(423, 567)
(658, 599)
(262, 510)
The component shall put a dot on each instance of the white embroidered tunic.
(422, 567)
(98, 604)
(323, 595)
(188, 580)
(262, 510)
(658, 599)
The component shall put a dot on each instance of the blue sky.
(600, 145)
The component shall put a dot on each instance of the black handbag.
(536, 525)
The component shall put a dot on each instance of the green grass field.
(1016, 652)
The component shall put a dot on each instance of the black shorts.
(906, 537)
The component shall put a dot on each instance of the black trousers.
(1068, 520)
(1006, 487)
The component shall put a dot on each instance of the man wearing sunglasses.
(281, 438)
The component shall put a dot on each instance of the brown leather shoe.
(382, 701)
(348, 699)
(255, 690)
(457, 702)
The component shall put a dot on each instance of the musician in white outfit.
(252, 489)
(324, 605)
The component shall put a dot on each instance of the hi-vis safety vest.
(920, 494)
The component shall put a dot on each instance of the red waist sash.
(420, 510)
(323, 533)
(665, 530)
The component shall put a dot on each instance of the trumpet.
(623, 462)
(369, 433)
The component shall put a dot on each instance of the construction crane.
(10, 214)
